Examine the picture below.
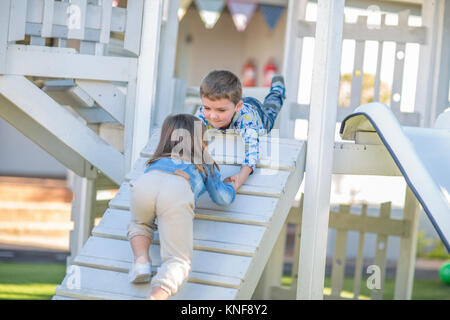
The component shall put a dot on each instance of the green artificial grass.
(30, 281)
(423, 289)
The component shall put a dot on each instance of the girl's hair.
(182, 139)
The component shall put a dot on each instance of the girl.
(180, 170)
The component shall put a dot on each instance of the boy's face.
(220, 112)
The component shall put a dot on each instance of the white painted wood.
(301, 111)
(166, 63)
(146, 78)
(47, 18)
(76, 20)
(358, 72)
(319, 159)
(291, 65)
(106, 21)
(91, 147)
(247, 204)
(107, 96)
(359, 257)
(41, 136)
(271, 235)
(136, 24)
(97, 284)
(363, 159)
(52, 62)
(273, 271)
(381, 253)
(430, 55)
(37, 41)
(178, 95)
(354, 31)
(376, 89)
(404, 277)
(5, 7)
(117, 255)
(443, 79)
(17, 20)
(337, 272)
(82, 214)
(264, 182)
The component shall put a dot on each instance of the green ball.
(444, 272)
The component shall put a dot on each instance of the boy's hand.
(238, 179)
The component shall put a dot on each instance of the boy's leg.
(274, 101)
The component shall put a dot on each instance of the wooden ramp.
(231, 244)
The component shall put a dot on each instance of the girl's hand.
(233, 180)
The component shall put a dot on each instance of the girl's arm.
(221, 193)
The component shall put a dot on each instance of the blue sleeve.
(221, 193)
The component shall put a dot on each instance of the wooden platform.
(231, 245)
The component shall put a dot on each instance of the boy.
(224, 108)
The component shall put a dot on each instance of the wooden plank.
(247, 204)
(116, 255)
(98, 284)
(91, 146)
(107, 96)
(5, 7)
(263, 182)
(363, 159)
(396, 94)
(41, 136)
(381, 253)
(279, 216)
(404, 277)
(134, 26)
(47, 18)
(249, 235)
(358, 72)
(384, 33)
(359, 257)
(319, 159)
(17, 20)
(337, 273)
(106, 21)
(45, 62)
(376, 89)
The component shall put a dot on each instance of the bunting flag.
(271, 14)
(241, 11)
(210, 11)
(184, 5)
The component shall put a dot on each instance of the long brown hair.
(182, 138)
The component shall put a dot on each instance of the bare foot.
(159, 293)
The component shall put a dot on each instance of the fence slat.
(47, 19)
(132, 40)
(76, 20)
(359, 257)
(106, 21)
(337, 273)
(376, 89)
(381, 253)
(396, 94)
(18, 15)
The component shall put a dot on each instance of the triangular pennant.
(210, 11)
(184, 5)
(242, 12)
(271, 14)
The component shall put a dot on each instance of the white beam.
(4, 27)
(138, 122)
(291, 65)
(319, 158)
(52, 62)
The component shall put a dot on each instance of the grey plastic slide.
(421, 154)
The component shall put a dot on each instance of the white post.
(146, 79)
(291, 64)
(319, 158)
(430, 58)
(166, 62)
